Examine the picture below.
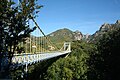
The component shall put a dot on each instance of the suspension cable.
(42, 31)
(44, 34)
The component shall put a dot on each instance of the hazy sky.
(84, 15)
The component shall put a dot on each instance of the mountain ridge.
(106, 27)
(65, 34)
(60, 36)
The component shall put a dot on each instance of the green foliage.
(60, 36)
(14, 26)
(104, 65)
(74, 66)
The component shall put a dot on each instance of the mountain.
(64, 35)
(104, 29)
(55, 39)
(60, 36)
(77, 35)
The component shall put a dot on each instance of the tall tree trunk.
(11, 55)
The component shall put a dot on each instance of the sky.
(84, 15)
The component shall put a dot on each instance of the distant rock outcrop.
(78, 35)
(104, 29)
(107, 27)
(118, 22)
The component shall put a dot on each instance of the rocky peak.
(105, 27)
(86, 36)
(78, 35)
(118, 22)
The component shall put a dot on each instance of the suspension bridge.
(38, 48)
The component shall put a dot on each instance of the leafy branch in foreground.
(14, 28)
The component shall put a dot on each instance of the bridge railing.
(23, 59)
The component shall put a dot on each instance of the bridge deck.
(23, 59)
(28, 58)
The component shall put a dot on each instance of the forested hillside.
(60, 36)
(73, 67)
(104, 64)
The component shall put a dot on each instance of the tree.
(73, 67)
(104, 65)
(14, 26)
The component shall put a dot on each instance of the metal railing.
(23, 59)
